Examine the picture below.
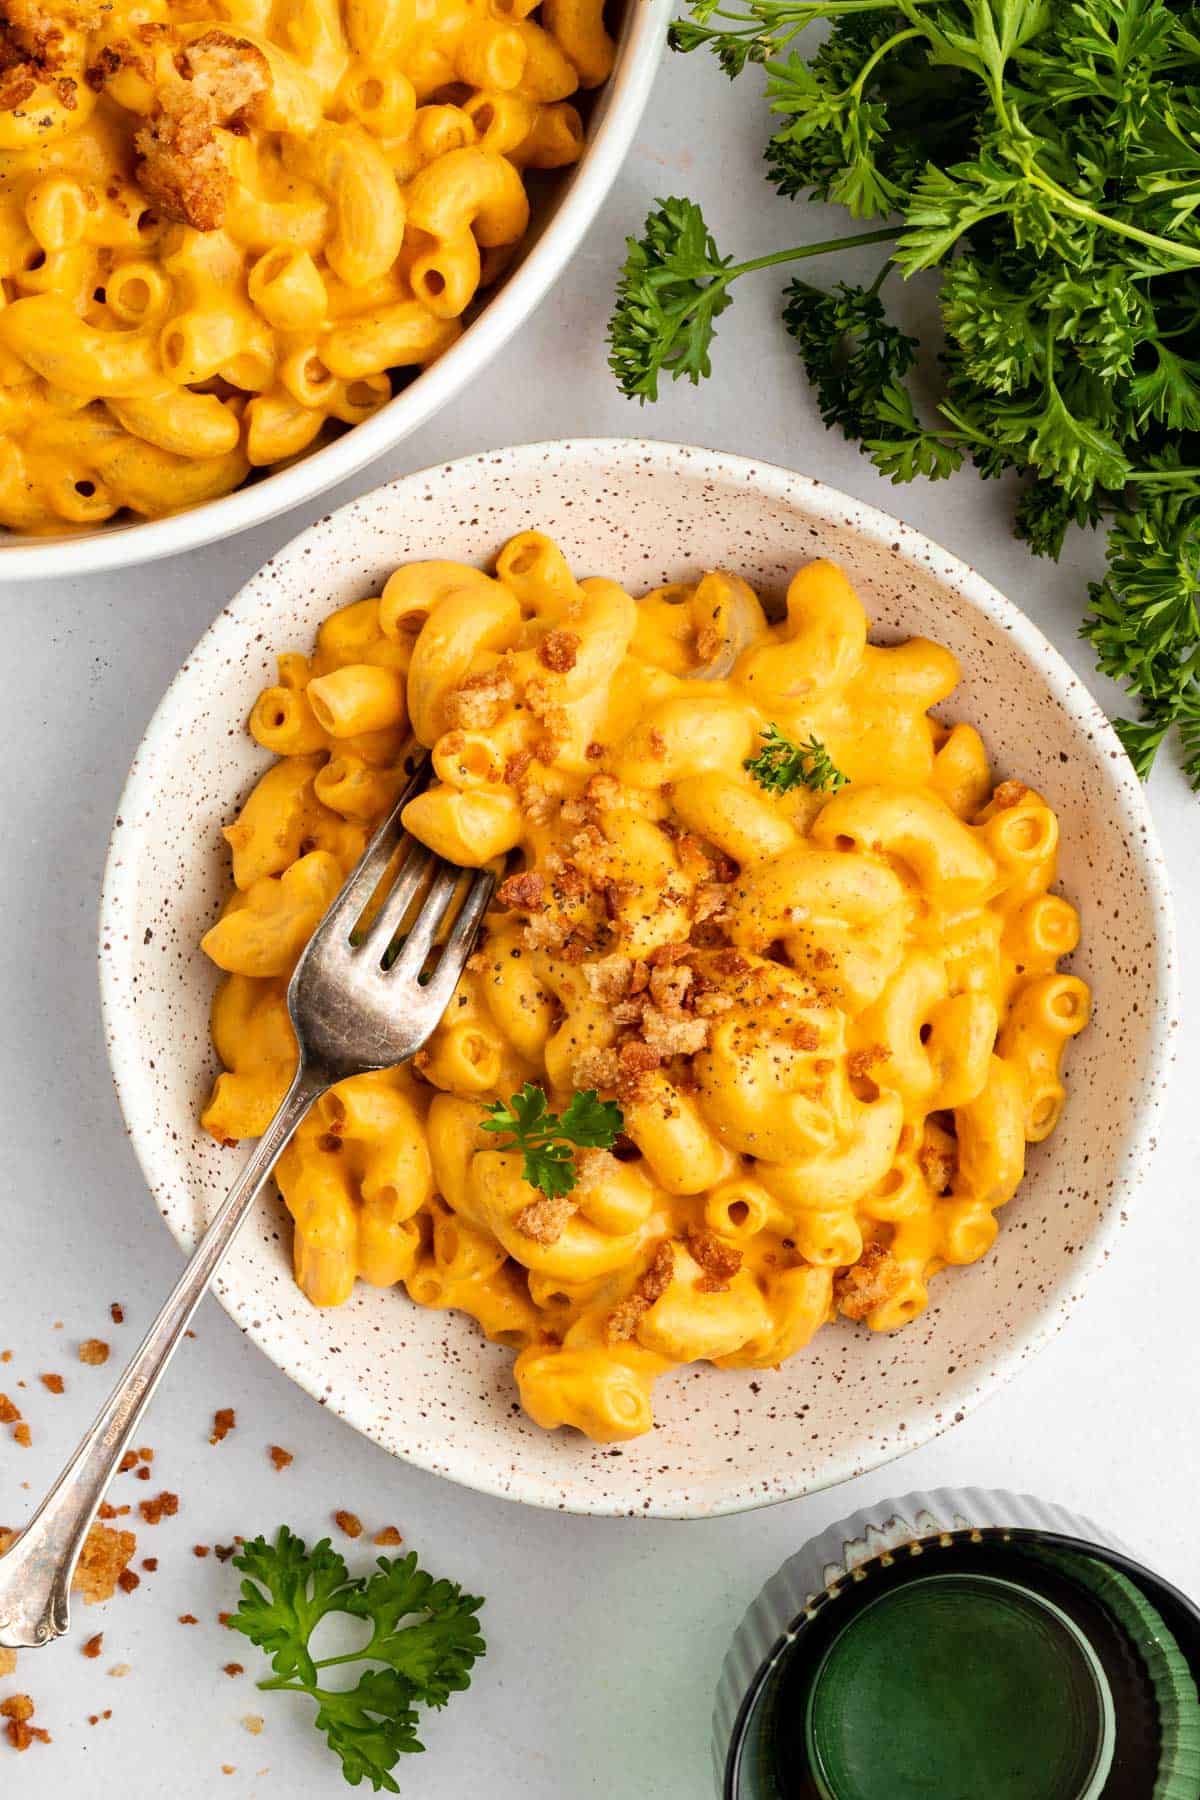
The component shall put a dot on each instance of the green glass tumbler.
(962, 1646)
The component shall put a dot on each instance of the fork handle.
(37, 1569)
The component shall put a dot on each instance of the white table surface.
(605, 1636)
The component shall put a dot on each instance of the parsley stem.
(1080, 208)
(887, 235)
(877, 56)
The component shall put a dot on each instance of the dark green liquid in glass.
(980, 1666)
(989, 1684)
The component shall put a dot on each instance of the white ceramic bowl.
(563, 211)
(425, 1384)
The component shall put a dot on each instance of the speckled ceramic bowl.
(425, 1384)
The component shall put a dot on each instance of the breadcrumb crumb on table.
(224, 1421)
(94, 1645)
(53, 1383)
(281, 1458)
(9, 1412)
(163, 1506)
(104, 1563)
(8, 1662)
(93, 1351)
(348, 1522)
(388, 1536)
(234, 1669)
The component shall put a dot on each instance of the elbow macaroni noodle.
(833, 1022)
(223, 224)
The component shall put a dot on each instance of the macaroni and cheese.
(224, 222)
(832, 1016)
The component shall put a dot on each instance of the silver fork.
(353, 1009)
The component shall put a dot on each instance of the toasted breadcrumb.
(389, 1535)
(623, 1321)
(545, 932)
(1009, 793)
(861, 1062)
(127, 1581)
(232, 1669)
(719, 1259)
(673, 1034)
(93, 1351)
(669, 984)
(253, 1723)
(523, 892)
(116, 1313)
(200, 1550)
(163, 1506)
(103, 1562)
(94, 1645)
(558, 651)
(181, 166)
(188, 1619)
(868, 1283)
(938, 1165)
(281, 1458)
(478, 702)
(597, 1069)
(224, 1421)
(23, 1436)
(594, 1168)
(546, 1219)
(348, 1522)
(8, 1662)
(635, 1060)
(9, 1412)
(54, 1383)
(609, 978)
(516, 766)
(17, 1706)
(127, 1462)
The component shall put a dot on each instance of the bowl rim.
(25, 558)
(463, 1464)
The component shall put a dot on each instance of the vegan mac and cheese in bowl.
(765, 1015)
(506, 1094)
(229, 228)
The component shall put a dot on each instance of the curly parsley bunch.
(1045, 156)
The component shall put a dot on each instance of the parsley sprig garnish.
(1045, 159)
(424, 1640)
(781, 765)
(549, 1140)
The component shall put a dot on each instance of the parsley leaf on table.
(1045, 160)
(425, 1632)
(549, 1140)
